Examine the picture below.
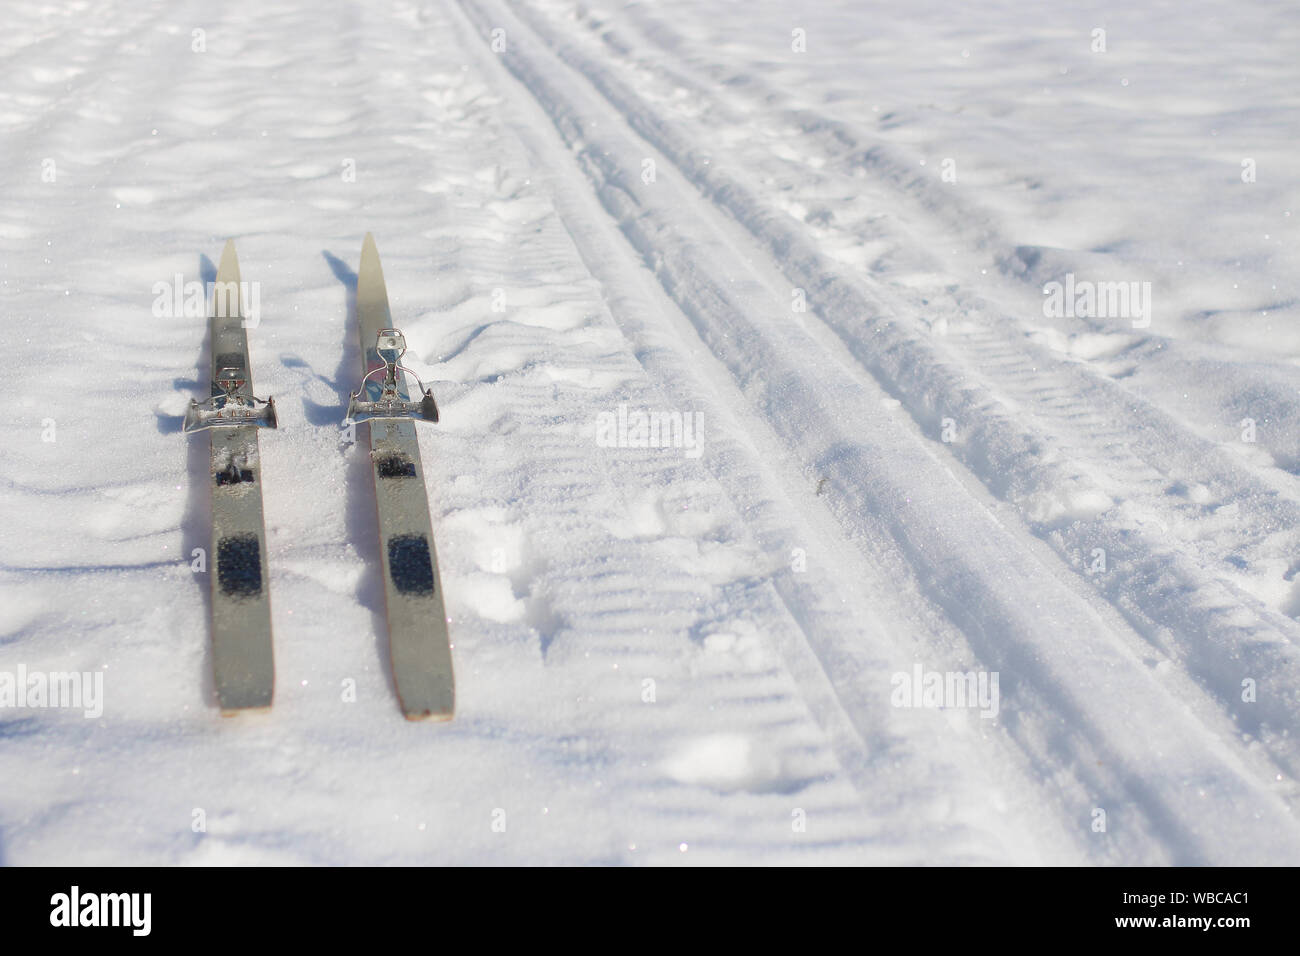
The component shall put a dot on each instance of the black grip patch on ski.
(409, 564)
(239, 565)
(394, 465)
(233, 475)
(231, 360)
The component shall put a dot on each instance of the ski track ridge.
(1052, 480)
(630, 207)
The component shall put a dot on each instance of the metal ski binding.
(228, 407)
(388, 403)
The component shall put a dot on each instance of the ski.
(418, 641)
(242, 659)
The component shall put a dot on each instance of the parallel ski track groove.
(1209, 640)
(973, 226)
(621, 198)
(609, 587)
(812, 619)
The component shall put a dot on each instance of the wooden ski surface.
(418, 639)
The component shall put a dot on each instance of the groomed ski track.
(643, 674)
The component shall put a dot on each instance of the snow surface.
(662, 656)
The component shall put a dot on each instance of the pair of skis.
(419, 646)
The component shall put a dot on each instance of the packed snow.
(868, 435)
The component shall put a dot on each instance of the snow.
(834, 261)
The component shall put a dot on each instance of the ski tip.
(368, 245)
(229, 262)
